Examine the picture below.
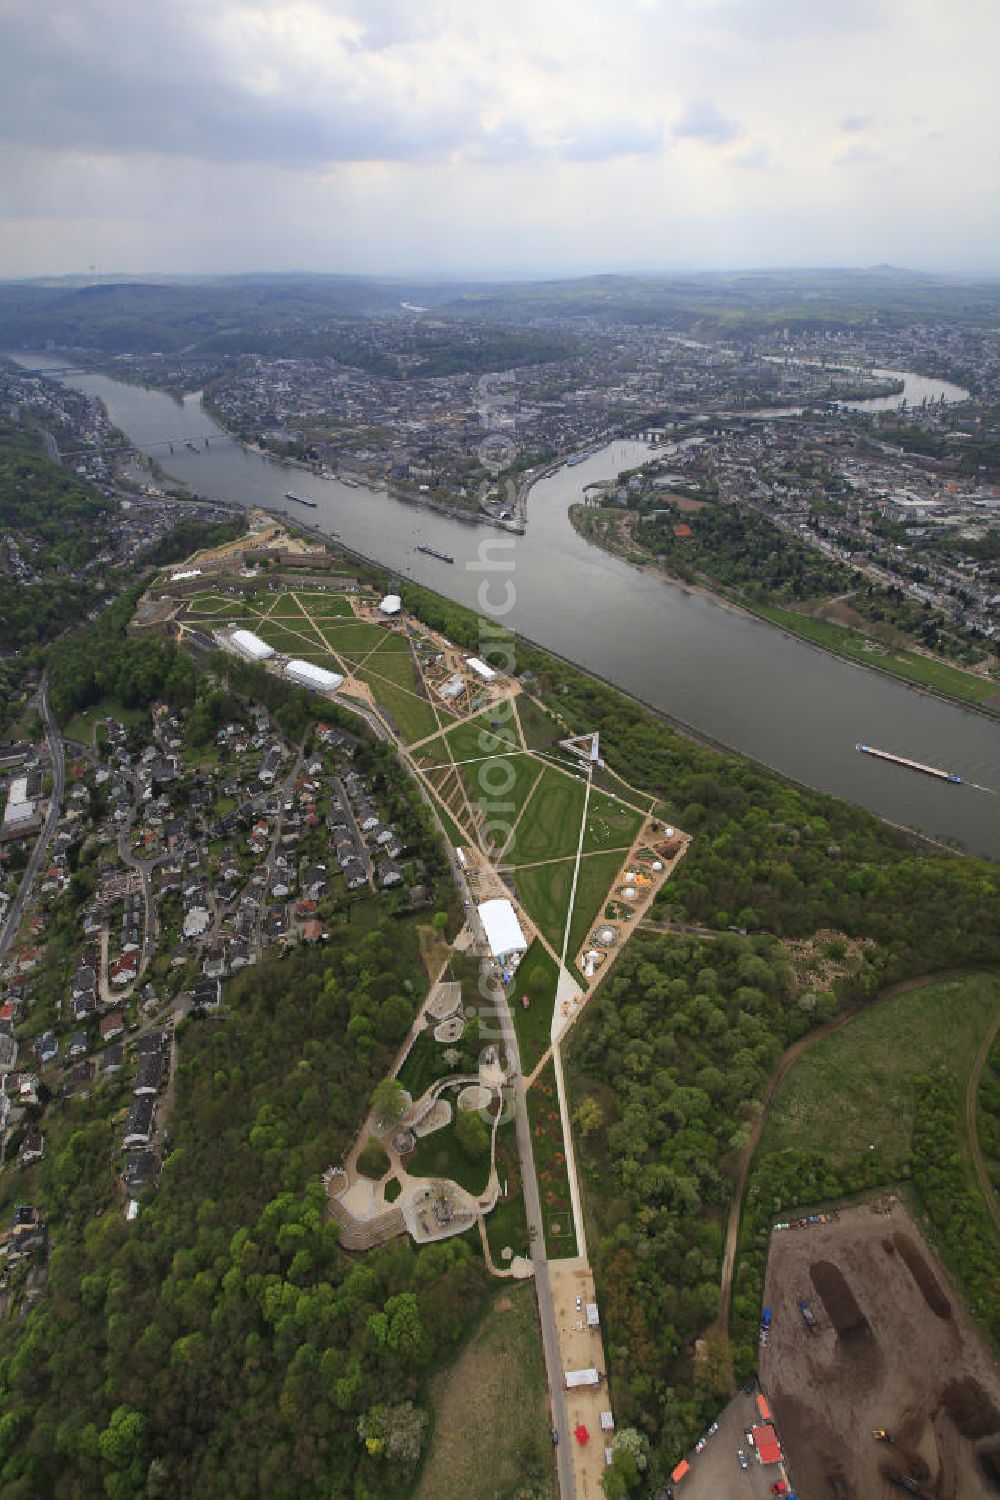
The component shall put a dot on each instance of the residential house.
(46, 1047)
(112, 1026)
(139, 1125)
(111, 1060)
(32, 1148)
(149, 1074)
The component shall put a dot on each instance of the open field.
(491, 1421)
(854, 1088)
(894, 1349)
(536, 977)
(544, 892)
(550, 826)
(610, 825)
(910, 665)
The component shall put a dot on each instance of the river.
(738, 680)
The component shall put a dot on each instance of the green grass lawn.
(540, 731)
(507, 1227)
(326, 606)
(294, 640)
(543, 891)
(502, 781)
(912, 667)
(610, 825)
(597, 873)
(536, 977)
(439, 1155)
(550, 825)
(218, 606)
(286, 607)
(354, 638)
(81, 726)
(412, 715)
(550, 1164)
(855, 1088)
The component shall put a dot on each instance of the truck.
(808, 1316)
(765, 1321)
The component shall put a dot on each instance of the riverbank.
(922, 672)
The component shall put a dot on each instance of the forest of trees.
(224, 1344)
(102, 661)
(57, 523)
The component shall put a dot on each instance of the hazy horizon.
(375, 137)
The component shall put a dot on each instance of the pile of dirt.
(846, 1317)
(970, 1407)
(989, 1461)
(923, 1276)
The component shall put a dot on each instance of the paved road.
(58, 760)
(539, 1260)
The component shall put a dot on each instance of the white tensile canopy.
(503, 930)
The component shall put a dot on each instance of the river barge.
(910, 765)
(300, 499)
(433, 552)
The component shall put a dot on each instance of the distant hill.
(277, 313)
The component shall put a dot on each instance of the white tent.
(391, 604)
(503, 930)
(248, 644)
(480, 668)
(307, 674)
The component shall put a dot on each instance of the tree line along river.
(735, 679)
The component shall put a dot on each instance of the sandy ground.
(581, 1348)
(891, 1365)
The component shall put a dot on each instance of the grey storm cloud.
(104, 85)
(97, 80)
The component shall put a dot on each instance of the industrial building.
(21, 813)
(250, 645)
(308, 675)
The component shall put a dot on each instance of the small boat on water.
(300, 499)
(194, 447)
(910, 765)
(433, 552)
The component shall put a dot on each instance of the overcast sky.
(519, 136)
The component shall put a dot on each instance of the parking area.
(715, 1472)
(581, 1348)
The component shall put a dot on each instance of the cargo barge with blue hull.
(910, 765)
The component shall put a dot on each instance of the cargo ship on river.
(300, 499)
(433, 552)
(911, 765)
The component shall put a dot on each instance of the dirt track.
(971, 1095)
(894, 1348)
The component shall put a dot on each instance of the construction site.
(879, 1381)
